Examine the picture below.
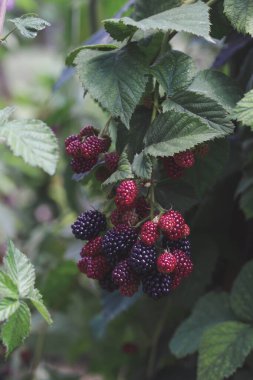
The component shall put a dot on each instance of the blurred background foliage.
(86, 341)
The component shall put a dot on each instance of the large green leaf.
(191, 18)
(240, 14)
(33, 140)
(117, 79)
(207, 109)
(211, 309)
(144, 8)
(244, 109)
(29, 26)
(16, 329)
(223, 349)
(8, 307)
(72, 55)
(174, 132)
(124, 171)
(174, 71)
(241, 294)
(36, 298)
(8, 287)
(20, 270)
(218, 87)
(142, 166)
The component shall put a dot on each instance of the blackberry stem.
(105, 129)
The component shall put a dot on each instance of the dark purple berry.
(143, 258)
(123, 273)
(182, 244)
(89, 225)
(157, 285)
(107, 284)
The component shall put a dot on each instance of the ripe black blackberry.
(143, 258)
(107, 284)
(89, 225)
(118, 242)
(182, 244)
(122, 273)
(157, 285)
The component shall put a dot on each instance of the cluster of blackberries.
(175, 166)
(154, 253)
(85, 149)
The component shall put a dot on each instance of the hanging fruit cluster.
(138, 244)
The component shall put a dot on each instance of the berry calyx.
(126, 193)
(184, 159)
(166, 263)
(149, 233)
(89, 225)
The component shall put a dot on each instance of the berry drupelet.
(89, 225)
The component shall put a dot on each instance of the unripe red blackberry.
(116, 217)
(184, 159)
(184, 263)
(143, 258)
(142, 207)
(83, 264)
(97, 267)
(107, 284)
(171, 168)
(157, 285)
(74, 148)
(92, 248)
(91, 147)
(130, 288)
(172, 224)
(149, 233)
(181, 244)
(81, 165)
(88, 131)
(166, 263)
(122, 274)
(176, 280)
(201, 150)
(70, 139)
(105, 143)
(130, 218)
(89, 225)
(118, 242)
(187, 230)
(111, 161)
(126, 193)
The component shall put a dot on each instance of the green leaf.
(37, 300)
(191, 18)
(19, 269)
(145, 9)
(174, 71)
(100, 47)
(33, 140)
(5, 114)
(142, 166)
(16, 329)
(244, 109)
(246, 202)
(115, 79)
(240, 14)
(8, 288)
(29, 26)
(211, 309)
(8, 307)
(208, 110)
(174, 132)
(223, 349)
(218, 87)
(241, 294)
(124, 171)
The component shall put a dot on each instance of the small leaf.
(19, 269)
(142, 166)
(8, 307)
(241, 294)
(101, 47)
(16, 329)
(29, 26)
(124, 171)
(210, 310)
(34, 141)
(217, 86)
(240, 14)
(116, 79)
(174, 132)
(36, 298)
(8, 287)
(174, 71)
(244, 109)
(224, 348)
(191, 18)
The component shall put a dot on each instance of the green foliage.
(174, 71)
(123, 171)
(243, 110)
(184, 18)
(173, 132)
(33, 140)
(29, 26)
(223, 349)
(142, 166)
(145, 9)
(240, 14)
(73, 54)
(17, 278)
